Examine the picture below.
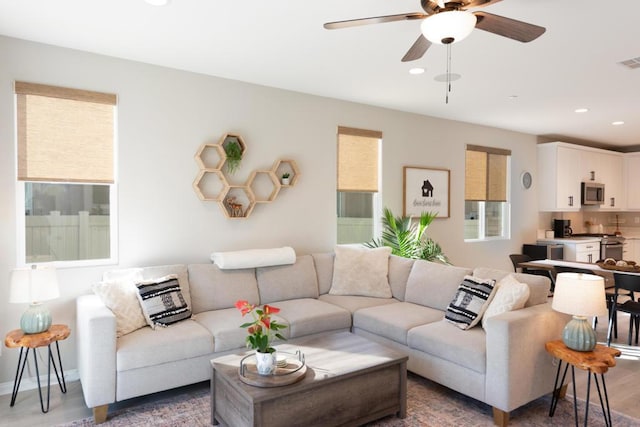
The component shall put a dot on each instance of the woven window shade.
(64, 135)
(358, 160)
(486, 174)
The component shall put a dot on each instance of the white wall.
(164, 115)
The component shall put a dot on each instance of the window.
(486, 190)
(358, 184)
(65, 172)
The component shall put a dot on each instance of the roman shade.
(358, 153)
(486, 174)
(64, 135)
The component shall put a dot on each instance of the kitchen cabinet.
(632, 178)
(577, 249)
(631, 251)
(563, 167)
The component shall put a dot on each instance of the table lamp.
(33, 285)
(580, 295)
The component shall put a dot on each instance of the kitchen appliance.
(592, 193)
(543, 251)
(562, 228)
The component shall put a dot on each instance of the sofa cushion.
(162, 301)
(214, 289)
(355, 303)
(224, 326)
(121, 297)
(310, 316)
(539, 286)
(444, 340)
(393, 321)
(510, 295)
(399, 270)
(470, 302)
(361, 271)
(150, 273)
(146, 347)
(432, 284)
(285, 282)
(324, 270)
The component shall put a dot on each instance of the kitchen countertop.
(561, 240)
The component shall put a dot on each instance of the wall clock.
(525, 180)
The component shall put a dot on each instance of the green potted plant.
(286, 178)
(406, 238)
(233, 150)
(261, 333)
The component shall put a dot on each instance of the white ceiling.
(282, 43)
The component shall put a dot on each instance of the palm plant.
(406, 238)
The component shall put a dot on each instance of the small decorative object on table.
(261, 331)
(286, 178)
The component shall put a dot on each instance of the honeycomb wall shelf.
(238, 201)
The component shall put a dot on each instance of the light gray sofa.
(503, 364)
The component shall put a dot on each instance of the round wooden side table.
(17, 338)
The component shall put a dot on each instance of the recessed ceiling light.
(581, 110)
(157, 2)
(618, 123)
(513, 97)
(416, 70)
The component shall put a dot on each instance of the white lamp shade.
(579, 294)
(443, 26)
(33, 284)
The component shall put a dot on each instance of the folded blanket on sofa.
(252, 258)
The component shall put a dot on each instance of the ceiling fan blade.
(507, 27)
(417, 50)
(374, 20)
(479, 3)
(431, 6)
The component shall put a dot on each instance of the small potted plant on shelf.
(234, 155)
(261, 333)
(285, 178)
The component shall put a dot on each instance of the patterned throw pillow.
(120, 296)
(470, 302)
(162, 302)
(510, 295)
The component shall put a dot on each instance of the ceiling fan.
(448, 22)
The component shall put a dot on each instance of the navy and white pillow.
(470, 302)
(162, 301)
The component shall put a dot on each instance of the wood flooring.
(622, 384)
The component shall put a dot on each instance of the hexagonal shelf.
(265, 186)
(210, 156)
(210, 185)
(289, 166)
(231, 162)
(237, 202)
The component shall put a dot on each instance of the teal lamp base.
(579, 335)
(36, 319)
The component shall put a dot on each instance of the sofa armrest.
(519, 369)
(96, 341)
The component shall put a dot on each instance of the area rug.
(428, 405)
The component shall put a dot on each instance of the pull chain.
(448, 88)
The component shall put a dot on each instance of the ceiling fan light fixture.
(448, 27)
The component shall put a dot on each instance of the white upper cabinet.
(563, 167)
(632, 179)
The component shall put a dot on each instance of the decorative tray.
(288, 371)
(628, 268)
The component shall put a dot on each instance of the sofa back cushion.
(324, 270)
(155, 272)
(539, 286)
(285, 282)
(399, 270)
(215, 289)
(434, 285)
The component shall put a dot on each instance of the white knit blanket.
(252, 258)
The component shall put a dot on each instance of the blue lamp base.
(579, 335)
(36, 319)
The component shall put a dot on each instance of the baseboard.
(32, 382)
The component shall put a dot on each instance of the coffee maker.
(562, 228)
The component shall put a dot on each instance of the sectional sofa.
(502, 363)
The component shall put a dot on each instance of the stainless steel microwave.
(592, 193)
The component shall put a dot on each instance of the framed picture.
(425, 190)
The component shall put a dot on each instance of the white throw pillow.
(511, 295)
(121, 297)
(361, 271)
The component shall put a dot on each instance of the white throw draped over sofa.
(399, 302)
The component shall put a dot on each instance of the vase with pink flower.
(261, 333)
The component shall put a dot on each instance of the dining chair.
(548, 272)
(630, 283)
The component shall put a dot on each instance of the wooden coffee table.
(349, 381)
